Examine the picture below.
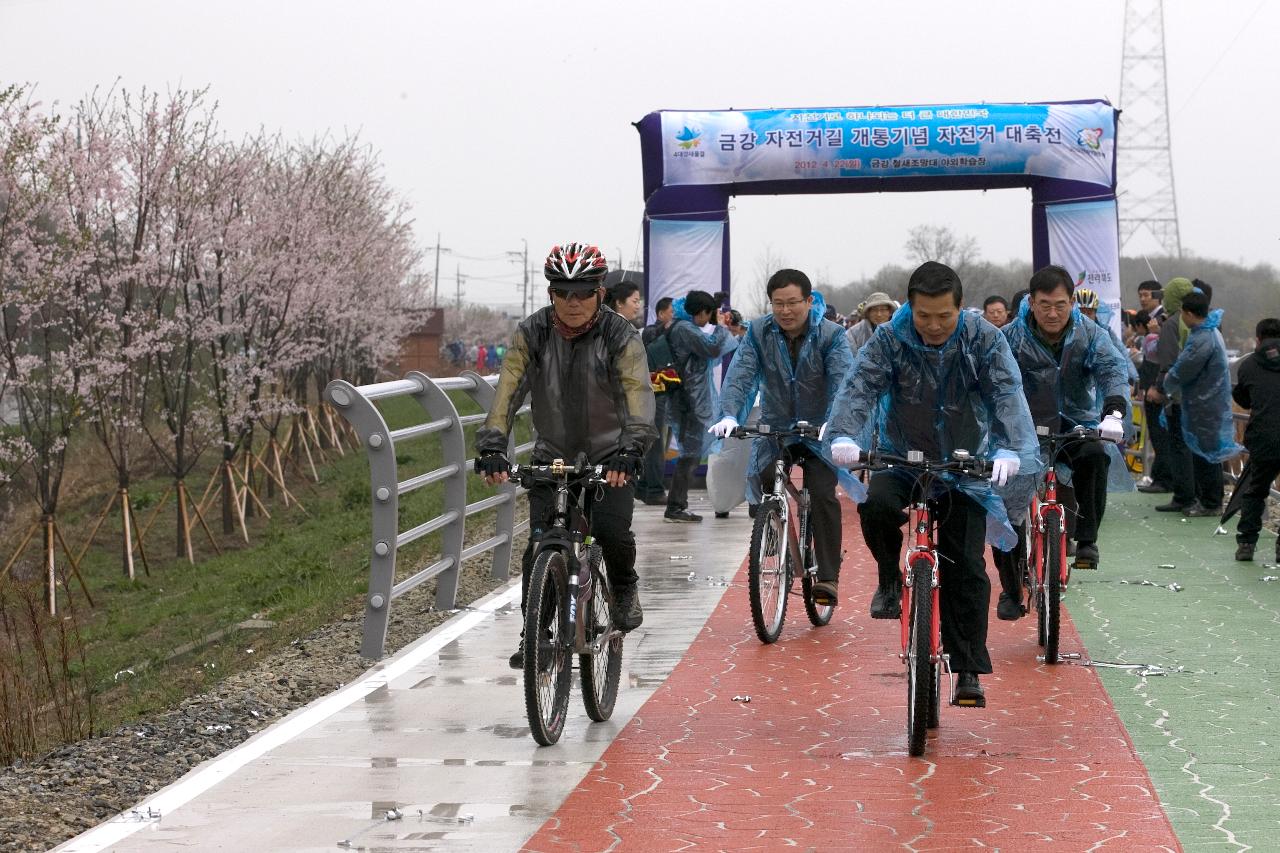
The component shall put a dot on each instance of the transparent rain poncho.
(788, 394)
(964, 395)
(1202, 378)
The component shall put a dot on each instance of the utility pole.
(524, 262)
(459, 273)
(435, 299)
(1143, 160)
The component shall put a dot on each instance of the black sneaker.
(1172, 506)
(627, 613)
(1009, 608)
(516, 661)
(1087, 555)
(1244, 552)
(680, 516)
(722, 515)
(1155, 489)
(886, 603)
(1198, 510)
(968, 691)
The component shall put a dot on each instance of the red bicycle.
(1047, 570)
(921, 621)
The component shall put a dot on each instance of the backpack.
(664, 377)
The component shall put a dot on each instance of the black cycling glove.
(492, 464)
(627, 462)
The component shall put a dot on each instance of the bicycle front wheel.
(769, 572)
(1053, 548)
(600, 670)
(547, 648)
(920, 670)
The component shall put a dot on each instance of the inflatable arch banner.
(694, 162)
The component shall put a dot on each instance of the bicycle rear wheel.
(1052, 586)
(768, 572)
(547, 648)
(600, 671)
(920, 670)
(819, 614)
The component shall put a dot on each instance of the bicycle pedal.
(970, 703)
(1085, 565)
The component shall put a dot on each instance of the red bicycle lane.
(816, 759)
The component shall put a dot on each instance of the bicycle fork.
(922, 549)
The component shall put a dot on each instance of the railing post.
(505, 515)
(453, 445)
(376, 438)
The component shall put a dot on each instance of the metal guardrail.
(356, 404)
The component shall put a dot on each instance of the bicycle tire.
(819, 614)
(919, 667)
(1052, 586)
(600, 672)
(935, 696)
(768, 573)
(1036, 571)
(547, 651)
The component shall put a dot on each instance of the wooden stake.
(127, 529)
(185, 521)
(75, 565)
(31, 531)
(51, 578)
(250, 493)
(94, 532)
(207, 531)
(146, 528)
(131, 517)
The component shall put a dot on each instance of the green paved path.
(1209, 735)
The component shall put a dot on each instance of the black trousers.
(1253, 497)
(824, 508)
(611, 510)
(1161, 472)
(965, 595)
(1194, 477)
(651, 485)
(1009, 564)
(1088, 461)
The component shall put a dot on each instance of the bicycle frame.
(922, 548)
(1041, 510)
(569, 532)
(795, 521)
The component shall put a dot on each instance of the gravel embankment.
(49, 800)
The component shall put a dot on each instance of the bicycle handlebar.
(1079, 433)
(801, 429)
(969, 466)
(557, 471)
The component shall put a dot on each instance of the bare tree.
(939, 243)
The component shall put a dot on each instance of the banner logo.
(1090, 137)
(689, 137)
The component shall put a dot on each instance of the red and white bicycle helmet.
(579, 263)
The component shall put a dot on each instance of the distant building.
(420, 349)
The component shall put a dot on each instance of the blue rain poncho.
(1202, 379)
(963, 395)
(696, 354)
(1063, 394)
(788, 394)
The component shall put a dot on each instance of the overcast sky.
(508, 121)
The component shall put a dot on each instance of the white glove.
(723, 427)
(845, 452)
(1111, 428)
(1003, 468)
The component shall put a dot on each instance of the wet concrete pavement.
(437, 732)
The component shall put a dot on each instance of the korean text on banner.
(1069, 141)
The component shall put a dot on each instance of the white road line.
(168, 800)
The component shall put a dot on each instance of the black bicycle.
(921, 617)
(570, 606)
(782, 541)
